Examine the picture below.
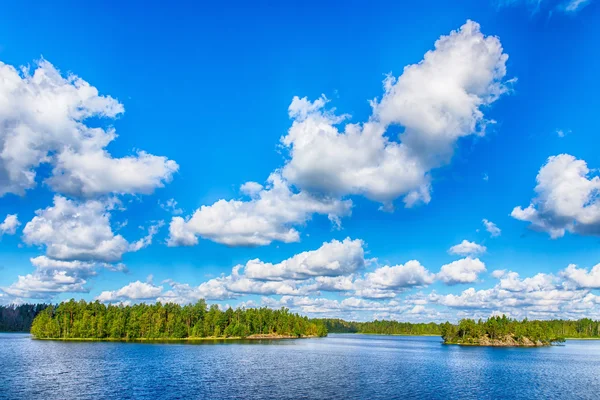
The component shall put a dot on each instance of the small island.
(499, 332)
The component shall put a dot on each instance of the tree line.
(18, 318)
(494, 328)
(383, 327)
(95, 320)
(80, 319)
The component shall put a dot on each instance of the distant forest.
(381, 327)
(18, 318)
(80, 319)
(467, 328)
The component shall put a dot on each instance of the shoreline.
(187, 339)
(384, 334)
(497, 345)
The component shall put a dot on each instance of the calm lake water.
(336, 367)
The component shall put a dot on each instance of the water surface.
(337, 367)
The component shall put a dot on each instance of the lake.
(341, 366)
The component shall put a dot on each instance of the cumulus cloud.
(541, 296)
(95, 172)
(9, 225)
(73, 230)
(269, 215)
(539, 282)
(334, 267)
(492, 228)
(437, 101)
(134, 291)
(499, 273)
(46, 284)
(312, 305)
(52, 277)
(228, 287)
(567, 199)
(582, 277)
(334, 283)
(465, 248)
(386, 281)
(465, 270)
(43, 119)
(334, 258)
(80, 268)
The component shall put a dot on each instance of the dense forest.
(94, 320)
(381, 327)
(18, 318)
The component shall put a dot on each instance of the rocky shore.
(506, 341)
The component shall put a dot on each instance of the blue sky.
(201, 99)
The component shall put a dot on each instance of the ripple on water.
(337, 367)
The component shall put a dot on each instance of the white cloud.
(94, 172)
(334, 283)
(270, 215)
(230, 286)
(575, 5)
(134, 291)
(10, 225)
(467, 248)
(146, 240)
(182, 293)
(333, 267)
(465, 270)
(542, 296)
(46, 284)
(334, 258)
(387, 280)
(491, 227)
(582, 277)
(52, 277)
(171, 206)
(72, 230)
(567, 199)
(437, 101)
(79, 268)
(43, 119)
(499, 273)
(311, 305)
(539, 282)
(251, 189)
(227, 287)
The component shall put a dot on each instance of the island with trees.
(80, 320)
(503, 332)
